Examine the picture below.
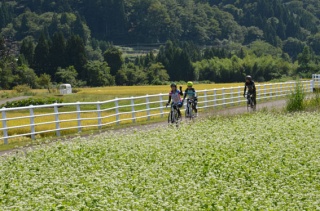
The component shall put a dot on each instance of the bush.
(24, 88)
(31, 101)
(296, 98)
(314, 102)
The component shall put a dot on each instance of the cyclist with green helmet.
(192, 95)
(175, 97)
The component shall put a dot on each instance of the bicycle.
(250, 103)
(189, 111)
(173, 117)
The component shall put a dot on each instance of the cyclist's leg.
(178, 109)
(195, 106)
(254, 96)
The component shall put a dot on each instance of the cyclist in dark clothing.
(250, 86)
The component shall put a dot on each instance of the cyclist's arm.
(195, 94)
(245, 89)
(254, 88)
(185, 95)
(169, 99)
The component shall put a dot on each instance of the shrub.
(296, 98)
(24, 88)
(314, 102)
(31, 101)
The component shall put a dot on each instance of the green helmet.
(190, 84)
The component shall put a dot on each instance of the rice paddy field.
(265, 161)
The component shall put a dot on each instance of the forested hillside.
(75, 40)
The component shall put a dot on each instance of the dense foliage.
(31, 101)
(253, 162)
(48, 35)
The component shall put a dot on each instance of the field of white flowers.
(251, 162)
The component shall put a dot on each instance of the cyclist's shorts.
(179, 105)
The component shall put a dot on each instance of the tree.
(26, 75)
(131, 75)
(76, 54)
(304, 60)
(6, 77)
(157, 74)
(57, 53)
(78, 29)
(27, 50)
(113, 56)
(54, 25)
(41, 56)
(293, 47)
(98, 74)
(68, 75)
(45, 81)
(314, 43)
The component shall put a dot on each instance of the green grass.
(250, 162)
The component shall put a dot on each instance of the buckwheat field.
(250, 162)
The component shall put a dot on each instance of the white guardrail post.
(311, 86)
(56, 116)
(116, 102)
(32, 123)
(265, 91)
(133, 110)
(271, 90)
(205, 99)
(79, 117)
(148, 107)
(99, 114)
(4, 126)
(224, 97)
(239, 95)
(161, 105)
(231, 96)
(215, 98)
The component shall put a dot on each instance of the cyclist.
(250, 86)
(175, 96)
(192, 95)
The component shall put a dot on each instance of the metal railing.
(57, 119)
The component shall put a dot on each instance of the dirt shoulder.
(130, 129)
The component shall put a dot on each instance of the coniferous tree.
(27, 50)
(76, 54)
(54, 25)
(41, 55)
(57, 52)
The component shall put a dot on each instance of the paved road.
(229, 111)
(4, 101)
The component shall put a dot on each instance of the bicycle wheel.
(186, 113)
(253, 106)
(249, 105)
(176, 117)
(190, 112)
(171, 117)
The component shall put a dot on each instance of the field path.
(4, 101)
(130, 129)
